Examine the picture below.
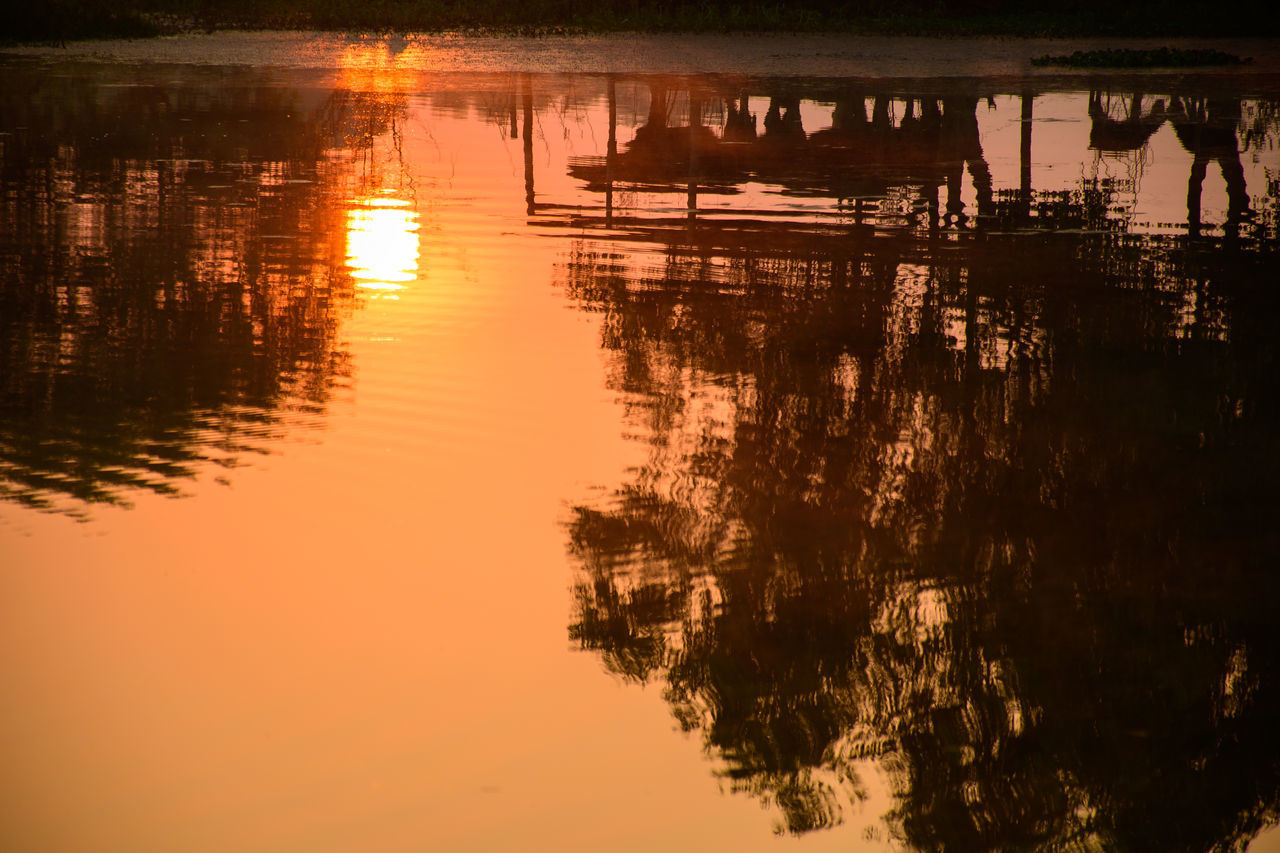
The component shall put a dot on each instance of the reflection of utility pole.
(695, 124)
(1024, 156)
(526, 85)
(611, 152)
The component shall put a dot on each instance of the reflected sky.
(877, 464)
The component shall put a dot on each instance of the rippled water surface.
(402, 459)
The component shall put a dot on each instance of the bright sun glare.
(382, 243)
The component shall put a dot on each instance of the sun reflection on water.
(382, 243)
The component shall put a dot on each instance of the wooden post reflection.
(515, 130)
(931, 115)
(1024, 157)
(611, 152)
(526, 85)
(695, 124)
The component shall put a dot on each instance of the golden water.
(393, 459)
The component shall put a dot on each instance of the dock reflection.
(889, 155)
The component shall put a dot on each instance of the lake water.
(401, 458)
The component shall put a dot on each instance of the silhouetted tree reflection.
(171, 280)
(1000, 513)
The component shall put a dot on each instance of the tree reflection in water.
(172, 279)
(998, 510)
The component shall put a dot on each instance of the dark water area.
(908, 446)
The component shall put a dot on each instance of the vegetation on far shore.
(1160, 57)
(64, 20)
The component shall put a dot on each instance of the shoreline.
(754, 54)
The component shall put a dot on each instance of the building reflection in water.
(983, 493)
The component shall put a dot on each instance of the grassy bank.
(64, 20)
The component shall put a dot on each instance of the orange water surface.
(396, 459)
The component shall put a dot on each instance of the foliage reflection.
(986, 494)
(172, 276)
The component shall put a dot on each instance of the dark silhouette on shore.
(61, 20)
